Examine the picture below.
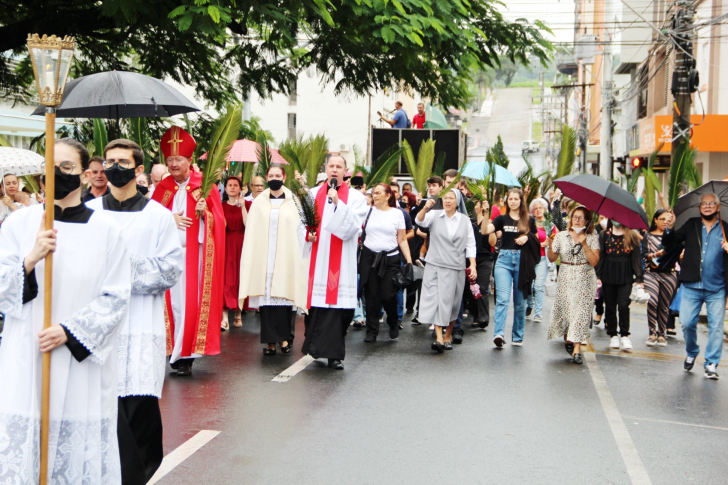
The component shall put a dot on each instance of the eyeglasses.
(123, 163)
(66, 168)
(708, 204)
(578, 218)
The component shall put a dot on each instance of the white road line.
(184, 451)
(676, 422)
(287, 374)
(635, 468)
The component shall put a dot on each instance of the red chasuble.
(204, 283)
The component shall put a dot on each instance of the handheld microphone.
(332, 185)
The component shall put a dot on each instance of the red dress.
(234, 237)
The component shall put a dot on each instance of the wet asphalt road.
(401, 413)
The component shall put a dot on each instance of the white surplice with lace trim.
(91, 288)
(157, 261)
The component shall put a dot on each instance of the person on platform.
(257, 186)
(90, 303)
(418, 121)
(399, 120)
(273, 267)
(332, 282)
(194, 304)
(98, 183)
(235, 209)
(155, 253)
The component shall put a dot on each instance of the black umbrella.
(605, 198)
(688, 206)
(120, 94)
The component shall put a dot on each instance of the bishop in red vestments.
(194, 306)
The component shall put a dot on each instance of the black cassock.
(325, 332)
(277, 324)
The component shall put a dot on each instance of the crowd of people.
(175, 262)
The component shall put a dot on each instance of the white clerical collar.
(182, 185)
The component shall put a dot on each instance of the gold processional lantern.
(51, 58)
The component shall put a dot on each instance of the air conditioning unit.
(344, 147)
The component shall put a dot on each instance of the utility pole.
(605, 158)
(543, 115)
(684, 64)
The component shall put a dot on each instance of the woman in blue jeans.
(538, 208)
(513, 226)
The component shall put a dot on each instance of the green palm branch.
(567, 153)
(101, 137)
(420, 169)
(384, 167)
(452, 184)
(318, 149)
(224, 135)
(263, 153)
(683, 174)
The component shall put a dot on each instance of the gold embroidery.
(195, 193)
(206, 297)
(168, 326)
(167, 195)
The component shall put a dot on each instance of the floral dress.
(575, 290)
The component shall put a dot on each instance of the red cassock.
(234, 238)
(204, 282)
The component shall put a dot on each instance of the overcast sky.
(558, 14)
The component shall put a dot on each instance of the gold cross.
(176, 141)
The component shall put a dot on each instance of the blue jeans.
(692, 301)
(535, 299)
(400, 304)
(360, 314)
(506, 280)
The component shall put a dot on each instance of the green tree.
(226, 49)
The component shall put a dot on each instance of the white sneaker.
(614, 343)
(537, 319)
(626, 344)
(432, 327)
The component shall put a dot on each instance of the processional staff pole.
(51, 58)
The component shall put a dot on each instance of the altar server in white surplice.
(91, 288)
(155, 252)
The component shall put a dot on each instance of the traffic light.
(636, 163)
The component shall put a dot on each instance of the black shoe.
(394, 332)
(370, 338)
(437, 346)
(498, 341)
(336, 364)
(529, 310)
(569, 347)
(399, 325)
(415, 321)
(184, 370)
(482, 324)
(287, 348)
(359, 324)
(268, 352)
(689, 363)
(447, 345)
(578, 359)
(457, 336)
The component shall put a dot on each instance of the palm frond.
(650, 188)
(295, 152)
(318, 149)
(247, 172)
(409, 159)
(439, 166)
(384, 167)
(223, 137)
(359, 155)
(682, 172)
(306, 205)
(567, 153)
(632, 181)
(263, 153)
(30, 182)
(4, 142)
(101, 137)
(452, 184)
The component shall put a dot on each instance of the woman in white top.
(383, 238)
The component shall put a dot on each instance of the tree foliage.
(228, 48)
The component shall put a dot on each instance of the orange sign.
(707, 135)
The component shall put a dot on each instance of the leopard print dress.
(575, 289)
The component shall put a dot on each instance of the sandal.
(287, 348)
(224, 325)
(238, 322)
(269, 352)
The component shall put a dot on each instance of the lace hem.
(152, 276)
(12, 281)
(142, 363)
(83, 452)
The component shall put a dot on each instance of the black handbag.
(362, 238)
(405, 276)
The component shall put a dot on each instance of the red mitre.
(177, 142)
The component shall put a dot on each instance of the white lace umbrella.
(20, 162)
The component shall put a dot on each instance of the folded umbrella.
(480, 171)
(688, 206)
(605, 198)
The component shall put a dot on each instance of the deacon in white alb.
(90, 303)
(156, 257)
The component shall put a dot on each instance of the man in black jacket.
(703, 277)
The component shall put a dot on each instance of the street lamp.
(51, 58)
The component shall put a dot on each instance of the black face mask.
(710, 217)
(275, 184)
(65, 184)
(119, 177)
(142, 189)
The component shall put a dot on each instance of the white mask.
(578, 230)
(603, 223)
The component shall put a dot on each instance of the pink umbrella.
(247, 151)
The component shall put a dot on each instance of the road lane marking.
(635, 468)
(184, 451)
(665, 421)
(641, 354)
(287, 374)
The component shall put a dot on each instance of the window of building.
(291, 126)
(293, 96)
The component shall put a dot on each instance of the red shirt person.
(194, 304)
(419, 119)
